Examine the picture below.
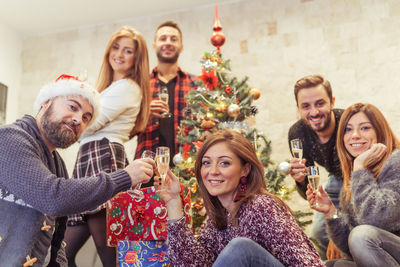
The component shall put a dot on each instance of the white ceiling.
(34, 17)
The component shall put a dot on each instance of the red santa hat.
(67, 85)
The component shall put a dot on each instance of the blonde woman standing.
(123, 84)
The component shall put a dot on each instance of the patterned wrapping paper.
(130, 218)
(142, 253)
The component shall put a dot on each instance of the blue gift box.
(142, 253)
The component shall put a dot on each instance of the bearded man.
(162, 130)
(35, 192)
(317, 130)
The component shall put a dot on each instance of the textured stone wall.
(353, 43)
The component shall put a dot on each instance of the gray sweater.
(376, 202)
(34, 190)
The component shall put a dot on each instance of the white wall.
(354, 44)
(10, 68)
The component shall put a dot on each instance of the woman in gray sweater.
(367, 225)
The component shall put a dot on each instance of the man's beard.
(326, 123)
(170, 60)
(56, 132)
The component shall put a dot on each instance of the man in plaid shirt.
(162, 130)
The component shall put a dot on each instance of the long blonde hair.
(244, 149)
(140, 73)
(384, 135)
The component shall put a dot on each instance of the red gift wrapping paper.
(141, 219)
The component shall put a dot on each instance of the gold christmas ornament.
(202, 212)
(207, 124)
(193, 188)
(221, 106)
(233, 110)
(199, 207)
(255, 92)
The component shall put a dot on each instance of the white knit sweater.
(120, 103)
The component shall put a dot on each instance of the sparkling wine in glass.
(147, 154)
(163, 96)
(162, 160)
(297, 148)
(313, 179)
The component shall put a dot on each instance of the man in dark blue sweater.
(35, 194)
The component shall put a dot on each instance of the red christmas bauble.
(218, 39)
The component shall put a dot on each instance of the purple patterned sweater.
(261, 220)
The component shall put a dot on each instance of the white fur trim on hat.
(69, 87)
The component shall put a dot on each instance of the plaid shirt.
(149, 139)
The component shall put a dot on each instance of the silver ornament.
(284, 168)
(177, 159)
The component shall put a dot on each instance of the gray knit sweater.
(34, 189)
(376, 202)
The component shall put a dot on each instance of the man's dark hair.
(312, 81)
(169, 23)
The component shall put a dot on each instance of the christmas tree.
(221, 101)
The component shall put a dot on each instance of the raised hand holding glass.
(147, 154)
(313, 179)
(297, 148)
(162, 160)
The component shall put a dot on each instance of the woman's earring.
(242, 188)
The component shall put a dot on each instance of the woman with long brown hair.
(246, 225)
(367, 225)
(123, 84)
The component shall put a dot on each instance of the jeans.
(372, 246)
(340, 263)
(241, 252)
(318, 228)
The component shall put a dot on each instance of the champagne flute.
(297, 148)
(313, 179)
(147, 154)
(162, 159)
(163, 96)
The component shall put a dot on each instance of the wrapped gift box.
(142, 253)
(132, 218)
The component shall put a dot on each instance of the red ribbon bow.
(139, 213)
